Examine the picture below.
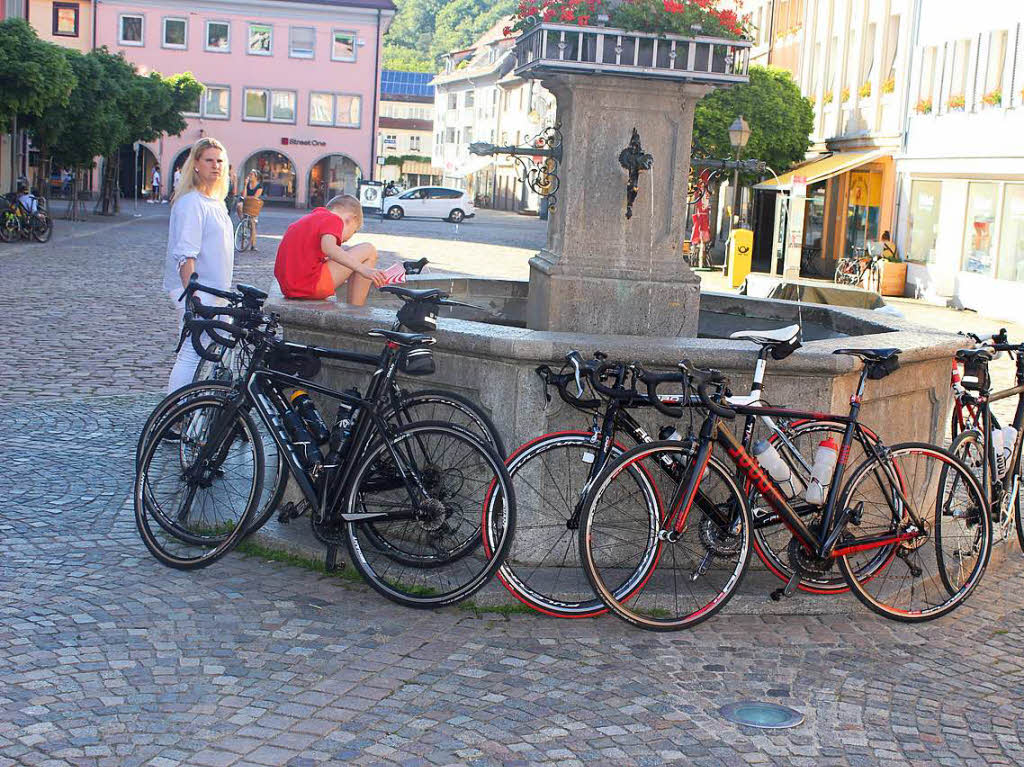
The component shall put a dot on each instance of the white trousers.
(185, 365)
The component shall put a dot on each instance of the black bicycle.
(407, 501)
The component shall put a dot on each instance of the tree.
(780, 119)
(423, 30)
(461, 22)
(406, 60)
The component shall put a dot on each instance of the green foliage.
(461, 22)
(424, 30)
(399, 159)
(34, 75)
(407, 60)
(780, 119)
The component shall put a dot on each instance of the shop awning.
(473, 164)
(421, 168)
(821, 169)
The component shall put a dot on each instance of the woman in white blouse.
(199, 238)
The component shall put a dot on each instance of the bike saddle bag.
(418, 361)
(975, 376)
(418, 316)
(879, 370)
(295, 363)
(783, 350)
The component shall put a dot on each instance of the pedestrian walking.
(199, 239)
(176, 180)
(232, 197)
(156, 183)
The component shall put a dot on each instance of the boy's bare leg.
(359, 287)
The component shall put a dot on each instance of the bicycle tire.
(916, 482)
(773, 553)
(243, 235)
(215, 535)
(475, 417)
(1018, 502)
(43, 232)
(409, 586)
(10, 230)
(544, 526)
(661, 610)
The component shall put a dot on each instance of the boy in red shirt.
(313, 262)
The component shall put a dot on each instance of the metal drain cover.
(767, 716)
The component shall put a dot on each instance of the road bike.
(406, 500)
(906, 512)
(16, 221)
(993, 452)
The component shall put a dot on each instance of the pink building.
(291, 86)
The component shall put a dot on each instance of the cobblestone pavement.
(107, 658)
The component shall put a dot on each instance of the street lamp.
(739, 134)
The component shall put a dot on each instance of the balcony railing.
(548, 48)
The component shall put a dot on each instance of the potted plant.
(865, 90)
(826, 97)
(956, 103)
(844, 95)
(888, 85)
(993, 98)
(924, 107)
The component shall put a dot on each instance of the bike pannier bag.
(417, 362)
(418, 316)
(975, 377)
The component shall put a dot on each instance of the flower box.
(548, 47)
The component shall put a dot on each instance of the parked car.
(433, 202)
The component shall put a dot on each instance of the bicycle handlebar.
(652, 381)
(196, 328)
(704, 379)
(194, 285)
(561, 382)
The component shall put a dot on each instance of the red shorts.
(324, 287)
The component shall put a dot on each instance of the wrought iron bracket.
(634, 159)
(541, 177)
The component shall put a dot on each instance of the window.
(925, 197)
(218, 36)
(925, 88)
(453, 101)
(468, 134)
(470, 98)
(257, 104)
(343, 45)
(175, 33)
(282, 106)
(867, 57)
(301, 41)
(414, 143)
(217, 102)
(262, 104)
(449, 135)
(892, 44)
(65, 19)
(958, 79)
(129, 29)
(261, 39)
(338, 109)
(1011, 239)
(979, 231)
(993, 94)
(390, 141)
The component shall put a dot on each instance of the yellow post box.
(741, 247)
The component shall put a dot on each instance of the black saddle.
(975, 355)
(411, 294)
(250, 292)
(403, 339)
(872, 355)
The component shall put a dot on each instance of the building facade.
(961, 174)
(290, 87)
(405, 130)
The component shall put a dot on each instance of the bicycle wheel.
(460, 475)
(932, 570)
(1018, 500)
(42, 227)
(9, 229)
(440, 405)
(771, 536)
(201, 488)
(243, 234)
(275, 479)
(550, 477)
(679, 583)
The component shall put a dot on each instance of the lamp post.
(739, 134)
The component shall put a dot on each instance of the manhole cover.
(768, 716)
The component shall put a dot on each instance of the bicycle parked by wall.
(860, 269)
(406, 501)
(909, 530)
(993, 452)
(18, 222)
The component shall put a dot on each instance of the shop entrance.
(277, 172)
(132, 178)
(333, 175)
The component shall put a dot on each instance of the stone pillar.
(602, 273)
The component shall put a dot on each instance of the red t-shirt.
(299, 257)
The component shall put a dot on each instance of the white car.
(431, 201)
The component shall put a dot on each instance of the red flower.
(567, 14)
(583, 20)
(507, 31)
(549, 13)
(671, 6)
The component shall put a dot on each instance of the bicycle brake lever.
(545, 375)
(575, 360)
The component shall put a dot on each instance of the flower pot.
(894, 278)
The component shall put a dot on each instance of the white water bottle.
(998, 449)
(770, 460)
(821, 472)
(1009, 440)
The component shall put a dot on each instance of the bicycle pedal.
(788, 590)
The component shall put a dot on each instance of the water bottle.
(777, 468)
(304, 443)
(669, 432)
(999, 449)
(306, 408)
(1009, 440)
(341, 432)
(825, 458)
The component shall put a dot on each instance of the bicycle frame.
(983, 402)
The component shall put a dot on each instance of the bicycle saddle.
(768, 337)
(871, 355)
(403, 339)
(250, 292)
(410, 294)
(976, 355)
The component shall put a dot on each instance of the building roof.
(397, 84)
(475, 61)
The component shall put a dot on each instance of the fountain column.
(602, 272)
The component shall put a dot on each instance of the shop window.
(65, 19)
(1011, 237)
(301, 42)
(218, 36)
(814, 221)
(277, 173)
(129, 29)
(864, 200)
(217, 102)
(261, 40)
(925, 197)
(343, 45)
(979, 229)
(175, 33)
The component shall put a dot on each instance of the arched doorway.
(138, 177)
(333, 175)
(179, 160)
(278, 173)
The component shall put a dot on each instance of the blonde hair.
(348, 204)
(188, 171)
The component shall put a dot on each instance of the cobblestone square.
(108, 658)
